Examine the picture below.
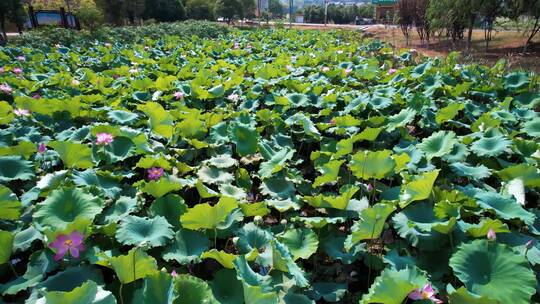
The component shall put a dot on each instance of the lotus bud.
(258, 220)
(529, 244)
(491, 235)
(235, 240)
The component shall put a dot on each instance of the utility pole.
(290, 12)
(325, 11)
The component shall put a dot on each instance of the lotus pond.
(265, 166)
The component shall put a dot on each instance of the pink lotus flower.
(17, 71)
(426, 293)
(339, 51)
(233, 97)
(42, 148)
(104, 138)
(21, 112)
(6, 89)
(325, 69)
(155, 173)
(391, 71)
(529, 244)
(64, 243)
(491, 235)
(369, 187)
(36, 96)
(348, 71)
(21, 58)
(174, 274)
(107, 44)
(2, 69)
(178, 95)
(236, 45)
(75, 82)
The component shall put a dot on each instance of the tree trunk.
(469, 35)
(3, 35)
(535, 30)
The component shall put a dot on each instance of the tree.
(228, 9)
(529, 9)
(314, 14)
(248, 8)
(10, 10)
(446, 19)
(164, 10)
(490, 10)
(201, 9)
(275, 8)
(421, 21)
(113, 10)
(406, 9)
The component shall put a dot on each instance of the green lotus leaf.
(401, 119)
(251, 237)
(24, 149)
(6, 239)
(505, 207)
(24, 239)
(150, 161)
(157, 288)
(73, 155)
(329, 172)
(372, 164)
(344, 147)
(481, 229)
(227, 288)
(282, 260)
(187, 247)
(278, 187)
(463, 296)
(123, 117)
(255, 294)
(153, 232)
(463, 169)
(370, 225)
(222, 161)
(6, 113)
(134, 265)
(160, 121)
(121, 207)
(276, 163)
(192, 290)
(120, 149)
(449, 112)
(318, 222)
(419, 225)
(516, 81)
(306, 123)
(302, 243)
(10, 207)
(298, 100)
(245, 138)
(369, 134)
(64, 205)
(340, 202)
(191, 127)
(205, 216)
(492, 146)
(204, 191)
(493, 270)
(379, 102)
(232, 191)
(165, 83)
(393, 286)
(527, 173)
(346, 121)
(211, 175)
(102, 181)
(438, 144)
(15, 168)
(222, 257)
(254, 209)
(458, 154)
(528, 99)
(532, 127)
(334, 246)
(171, 207)
(329, 291)
(87, 293)
(250, 277)
(418, 189)
(159, 188)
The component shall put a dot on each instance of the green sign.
(384, 2)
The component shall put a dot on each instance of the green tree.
(275, 8)
(201, 9)
(529, 9)
(164, 10)
(10, 10)
(228, 9)
(113, 10)
(248, 8)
